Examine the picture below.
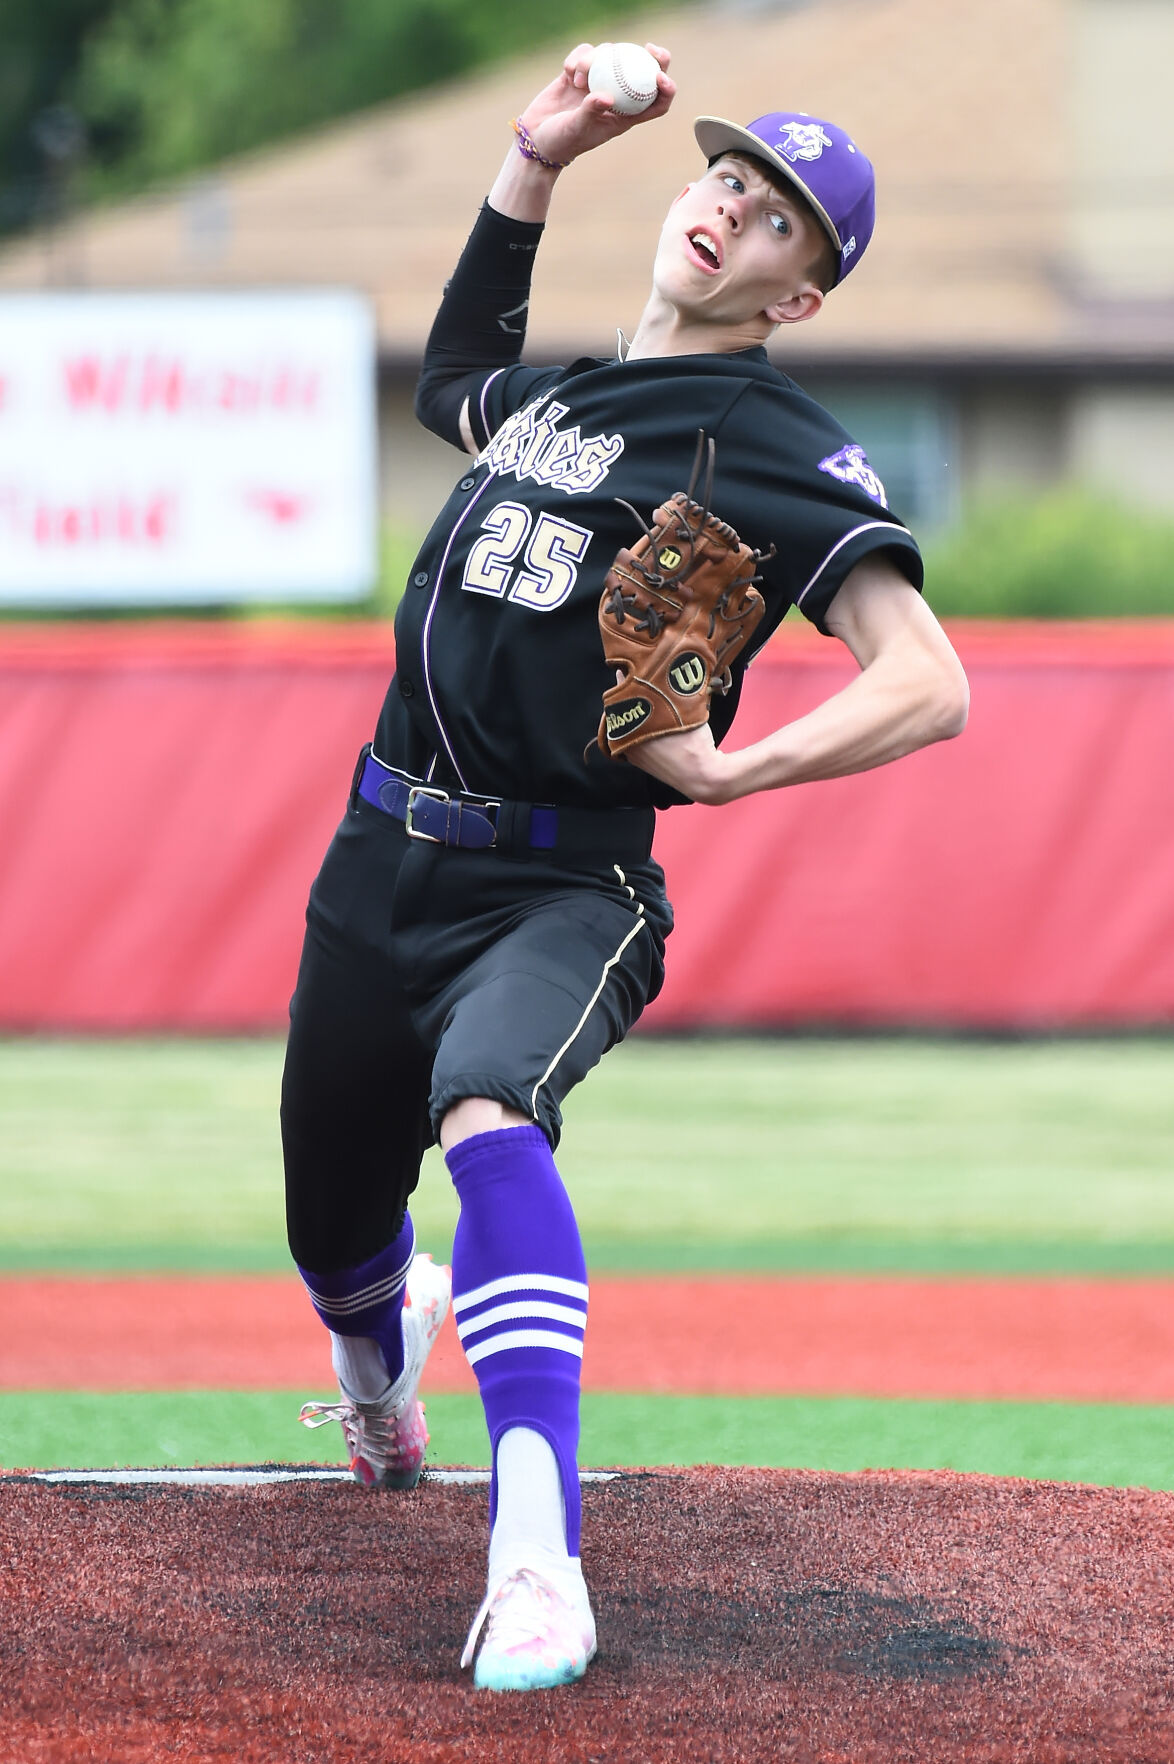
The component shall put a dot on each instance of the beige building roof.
(1026, 185)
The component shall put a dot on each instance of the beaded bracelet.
(528, 150)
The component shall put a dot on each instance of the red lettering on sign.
(156, 516)
(160, 385)
(290, 389)
(90, 381)
(171, 386)
(280, 505)
(121, 520)
(238, 392)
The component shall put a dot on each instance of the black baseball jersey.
(500, 667)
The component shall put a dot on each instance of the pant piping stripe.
(594, 999)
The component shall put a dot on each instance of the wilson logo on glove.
(676, 610)
(622, 718)
(687, 675)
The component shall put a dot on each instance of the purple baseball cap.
(822, 162)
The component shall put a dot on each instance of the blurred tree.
(41, 44)
(166, 86)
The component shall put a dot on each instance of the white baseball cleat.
(387, 1439)
(536, 1630)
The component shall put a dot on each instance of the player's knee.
(477, 1114)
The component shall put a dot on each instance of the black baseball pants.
(429, 974)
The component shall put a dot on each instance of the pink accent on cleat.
(387, 1439)
(536, 1631)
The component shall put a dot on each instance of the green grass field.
(834, 1154)
(679, 1154)
(1105, 1443)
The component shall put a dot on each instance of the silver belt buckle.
(418, 832)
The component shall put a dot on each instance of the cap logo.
(850, 465)
(849, 248)
(803, 141)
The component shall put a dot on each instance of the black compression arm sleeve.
(481, 324)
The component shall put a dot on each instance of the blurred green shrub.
(167, 86)
(397, 553)
(1072, 554)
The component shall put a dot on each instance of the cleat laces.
(384, 1440)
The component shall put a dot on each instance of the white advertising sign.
(186, 448)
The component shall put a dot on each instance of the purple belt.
(441, 817)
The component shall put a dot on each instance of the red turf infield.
(1081, 1340)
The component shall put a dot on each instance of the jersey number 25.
(549, 564)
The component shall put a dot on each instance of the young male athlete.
(488, 920)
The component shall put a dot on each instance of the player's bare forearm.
(911, 692)
(888, 711)
(565, 121)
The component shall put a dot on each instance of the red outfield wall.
(166, 792)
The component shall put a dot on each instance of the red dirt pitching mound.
(743, 1615)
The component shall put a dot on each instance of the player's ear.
(792, 309)
(680, 193)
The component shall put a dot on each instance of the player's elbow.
(948, 707)
(439, 401)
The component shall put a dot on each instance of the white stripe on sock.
(525, 1308)
(360, 1301)
(386, 1287)
(523, 1338)
(575, 1289)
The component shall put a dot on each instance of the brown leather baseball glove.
(675, 611)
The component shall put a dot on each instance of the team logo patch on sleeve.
(850, 465)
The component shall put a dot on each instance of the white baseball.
(626, 74)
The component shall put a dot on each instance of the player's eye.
(734, 182)
(780, 223)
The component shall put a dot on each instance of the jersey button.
(406, 689)
(467, 483)
(421, 578)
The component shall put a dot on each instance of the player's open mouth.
(705, 248)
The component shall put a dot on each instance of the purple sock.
(519, 1287)
(367, 1300)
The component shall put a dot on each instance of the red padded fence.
(166, 792)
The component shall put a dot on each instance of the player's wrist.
(717, 778)
(523, 188)
(529, 150)
(688, 762)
